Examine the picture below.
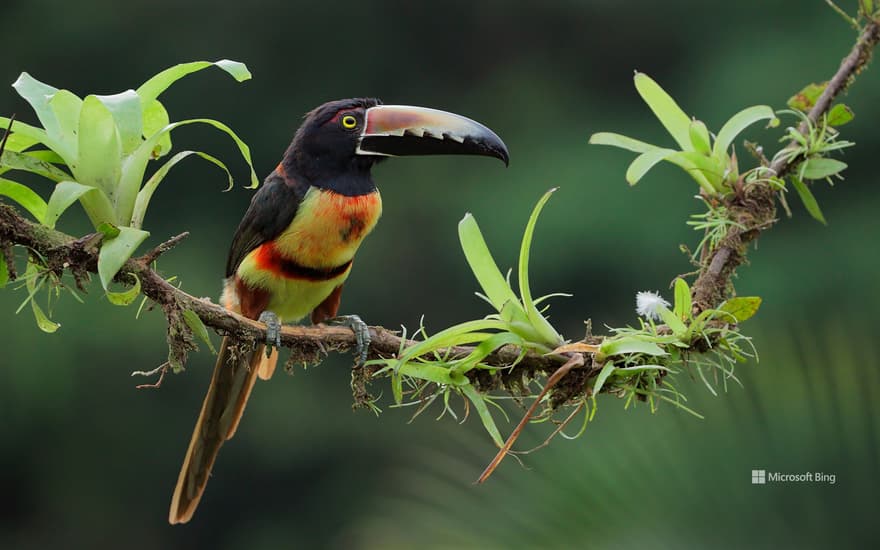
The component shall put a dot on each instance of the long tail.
(227, 396)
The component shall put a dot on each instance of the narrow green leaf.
(46, 155)
(682, 307)
(742, 307)
(65, 194)
(114, 252)
(198, 328)
(146, 193)
(467, 332)
(644, 162)
(627, 344)
(480, 405)
(622, 142)
(153, 88)
(736, 124)
(606, 371)
(483, 265)
(125, 297)
(628, 371)
(43, 322)
(18, 142)
(667, 111)
(673, 322)
(549, 335)
(839, 115)
(700, 167)
(699, 135)
(27, 162)
(808, 199)
(100, 150)
(126, 110)
(397, 388)
(432, 373)
(24, 196)
(32, 133)
(820, 168)
(486, 347)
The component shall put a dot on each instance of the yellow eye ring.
(349, 122)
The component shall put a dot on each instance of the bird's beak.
(398, 130)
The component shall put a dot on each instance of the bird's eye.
(349, 122)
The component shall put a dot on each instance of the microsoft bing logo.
(759, 477)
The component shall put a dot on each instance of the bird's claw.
(273, 331)
(361, 334)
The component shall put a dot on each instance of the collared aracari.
(293, 249)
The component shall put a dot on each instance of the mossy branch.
(754, 209)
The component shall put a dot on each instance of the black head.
(341, 140)
(326, 143)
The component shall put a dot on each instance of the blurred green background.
(88, 461)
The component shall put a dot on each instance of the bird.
(293, 249)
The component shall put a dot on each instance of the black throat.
(350, 177)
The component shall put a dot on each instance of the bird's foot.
(273, 331)
(361, 334)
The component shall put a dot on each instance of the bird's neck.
(351, 178)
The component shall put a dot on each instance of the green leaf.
(819, 168)
(839, 115)
(38, 94)
(65, 194)
(4, 271)
(644, 162)
(156, 118)
(486, 347)
(673, 321)
(667, 111)
(741, 307)
(628, 344)
(114, 252)
(431, 373)
(806, 98)
(43, 322)
(480, 405)
(99, 163)
(125, 297)
(808, 199)
(107, 229)
(623, 142)
(702, 168)
(146, 193)
(153, 88)
(67, 107)
(628, 371)
(682, 304)
(198, 328)
(31, 133)
(699, 135)
(483, 265)
(27, 162)
(126, 110)
(606, 371)
(136, 164)
(736, 124)
(25, 197)
(467, 332)
(549, 335)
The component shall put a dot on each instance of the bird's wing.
(272, 209)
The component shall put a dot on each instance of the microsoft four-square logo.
(759, 477)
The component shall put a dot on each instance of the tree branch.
(755, 208)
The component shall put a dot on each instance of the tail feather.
(224, 404)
